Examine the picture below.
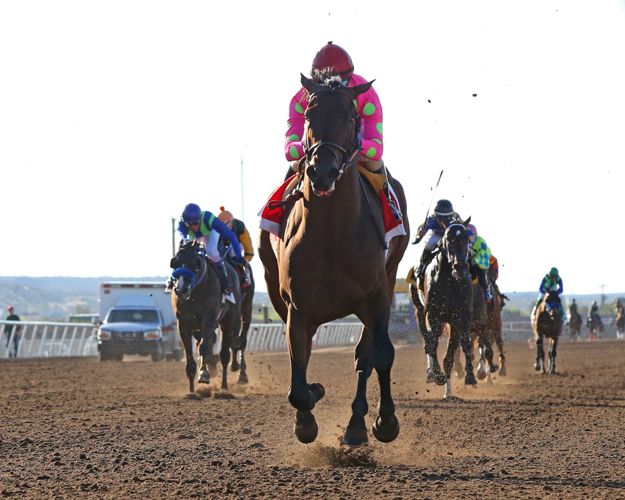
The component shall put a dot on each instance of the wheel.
(169, 357)
(157, 356)
(177, 354)
(104, 356)
(119, 357)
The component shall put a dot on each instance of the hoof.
(494, 368)
(502, 371)
(305, 428)
(203, 377)
(243, 378)
(430, 377)
(356, 432)
(440, 379)
(537, 367)
(386, 429)
(470, 379)
(460, 374)
(481, 375)
(235, 366)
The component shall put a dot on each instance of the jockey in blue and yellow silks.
(203, 226)
(551, 282)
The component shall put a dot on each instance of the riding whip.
(416, 238)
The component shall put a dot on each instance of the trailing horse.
(239, 342)
(330, 262)
(547, 324)
(197, 303)
(595, 326)
(493, 336)
(449, 297)
(575, 321)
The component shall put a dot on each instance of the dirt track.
(80, 428)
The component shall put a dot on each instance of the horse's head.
(188, 264)
(552, 304)
(331, 130)
(455, 244)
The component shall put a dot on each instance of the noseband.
(348, 157)
(187, 273)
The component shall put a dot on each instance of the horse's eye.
(350, 121)
(307, 116)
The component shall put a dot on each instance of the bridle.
(348, 156)
(195, 278)
(446, 249)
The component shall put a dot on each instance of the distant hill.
(56, 298)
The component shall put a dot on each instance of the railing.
(47, 339)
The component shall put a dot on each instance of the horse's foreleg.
(191, 365)
(467, 347)
(207, 341)
(502, 359)
(302, 396)
(224, 355)
(243, 373)
(376, 319)
(430, 345)
(540, 355)
(552, 355)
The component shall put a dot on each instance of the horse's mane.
(327, 77)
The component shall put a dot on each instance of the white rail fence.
(47, 339)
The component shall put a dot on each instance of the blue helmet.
(192, 214)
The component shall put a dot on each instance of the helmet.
(444, 208)
(192, 214)
(553, 272)
(225, 216)
(473, 229)
(10, 308)
(335, 57)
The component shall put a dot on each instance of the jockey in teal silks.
(203, 226)
(551, 282)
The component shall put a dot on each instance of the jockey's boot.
(224, 282)
(169, 284)
(426, 258)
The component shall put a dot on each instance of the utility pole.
(242, 204)
(602, 295)
(173, 236)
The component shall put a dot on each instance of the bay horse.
(330, 261)
(493, 336)
(619, 321)
(197, 303)
(449, 297)
(575, 321)
(595, 326)
(547, 324)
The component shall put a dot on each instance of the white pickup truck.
(137, 318)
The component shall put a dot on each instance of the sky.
(115, 115)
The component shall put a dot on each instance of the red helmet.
(335, 57)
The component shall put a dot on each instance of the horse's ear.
(309, 85)
(359, 89)
(180, 244)
(466, 222)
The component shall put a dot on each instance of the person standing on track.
(8, 329)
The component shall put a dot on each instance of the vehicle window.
(132, 316)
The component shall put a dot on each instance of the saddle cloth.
(271, 218)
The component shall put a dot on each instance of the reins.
(187, 273)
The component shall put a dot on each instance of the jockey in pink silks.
(338, 61)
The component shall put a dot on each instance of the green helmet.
(554, 272)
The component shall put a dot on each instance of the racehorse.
(575, 321)
(493, 336)
(547, 324)
(595, 326)
(449, 297)
(197, 303)
(239, 342)
(330, 261)
(619, 321)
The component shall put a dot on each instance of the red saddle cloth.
(271, 218)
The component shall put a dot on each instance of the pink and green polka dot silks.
(368, 106)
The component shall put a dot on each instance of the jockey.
(334, 59)
(206, 228)
(594, 309)
(433, 230)
(239, 229)
(551, 282)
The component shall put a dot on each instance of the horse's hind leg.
(502, 359)
(243, 373)
(465, 343)
(540, 355)
(207, 342)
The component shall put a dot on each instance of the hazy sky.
(114, 115)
